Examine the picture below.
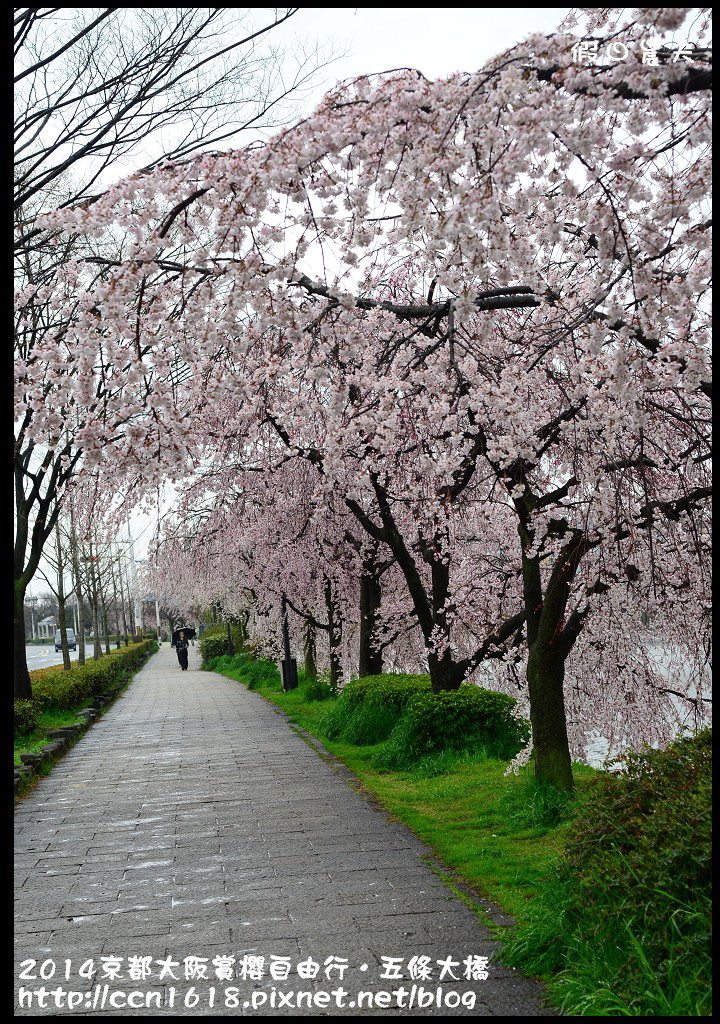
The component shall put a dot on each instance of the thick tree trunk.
(445, 674)
(548, 649)
(546, 676)
(243, 618)
(334, 636)
(22, 687)
(310, 666)
(371, 658)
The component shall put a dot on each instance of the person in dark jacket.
(181, 646)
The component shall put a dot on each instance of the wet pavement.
(194, 855)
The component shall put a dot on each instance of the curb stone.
(62, 739)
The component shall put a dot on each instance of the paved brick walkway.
(192, 820)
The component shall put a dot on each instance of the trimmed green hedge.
(56, 688)
(26, 715)
(402, 710)
(452, 717)
(391, 689)
(213, 645)
(213, 642)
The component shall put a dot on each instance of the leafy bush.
(256, 673)
(391, 689)
(370, 707)
(261, 672)
(634, 887)
(27, 716)
(213, 644)
(56, 688)
(456, 720)
(317, 690)
(533, 803)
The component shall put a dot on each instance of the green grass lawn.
(491, 830)
(33, 742)
(610, 942)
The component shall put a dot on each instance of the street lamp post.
(139, 602)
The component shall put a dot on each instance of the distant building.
(46, 628)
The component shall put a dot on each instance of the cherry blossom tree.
(98, 93)
(478, 309)
(270, 540)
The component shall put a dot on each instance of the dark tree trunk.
(445, 674)
(97, 650)
(310, 666)
(62, 625)
(242, 622)
(334, 635)
(22, 687)
(546, 676)
(371, 658)
(549, 644)
(106, 624)
(80, 635)
(62, 617)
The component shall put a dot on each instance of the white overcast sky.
(436, 40)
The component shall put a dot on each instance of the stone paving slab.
(192, 821)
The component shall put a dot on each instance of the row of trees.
(452, 337)
(92, 586)
(100, 93)
(527, 374)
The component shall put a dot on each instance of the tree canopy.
(477, 310)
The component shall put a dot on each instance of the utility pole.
(137, 611)
(75, 557)
(32, 601)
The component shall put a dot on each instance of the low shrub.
(56, 688)
(26, 716)
(533, 803)
(461, 719)
(391, 689)
(213, 642)
(317, 690)
(633, 887)
(256, 673)
(260, 673)
(213, 645)
(369, 708)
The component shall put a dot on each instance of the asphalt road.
(43, 657)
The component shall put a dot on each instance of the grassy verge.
(52, 718)
(499, 834)
(609, 887)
